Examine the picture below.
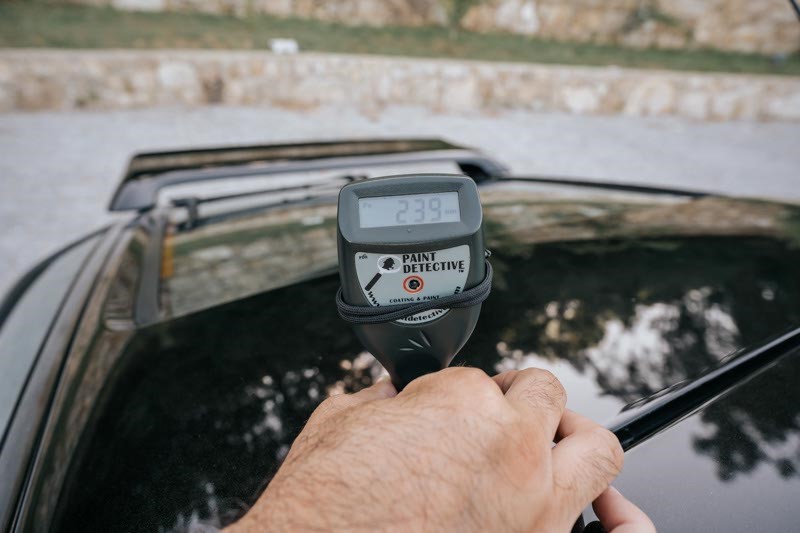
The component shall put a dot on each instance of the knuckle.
(333, 404)
(544, 385)
(552, 381)
(472, 386)
(332, 401)
(539, 397)
(542, 374)
(608, 443)
(461, 384)
(472, 373)
(468, 376)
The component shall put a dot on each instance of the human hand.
(454, 450)
(618, 515)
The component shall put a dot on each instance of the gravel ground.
(58, 170)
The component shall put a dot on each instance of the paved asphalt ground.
(58, 170)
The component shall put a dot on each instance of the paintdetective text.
(426, 262)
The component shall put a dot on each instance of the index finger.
(537, 395)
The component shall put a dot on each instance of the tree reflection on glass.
(663, 310)
(757, 424)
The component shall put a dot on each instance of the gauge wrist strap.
(361, 314)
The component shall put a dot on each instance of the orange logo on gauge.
(413, 284)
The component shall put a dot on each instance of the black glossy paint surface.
(205, 405)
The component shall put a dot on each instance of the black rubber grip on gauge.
(361, 314)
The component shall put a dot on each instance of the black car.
(154, 374)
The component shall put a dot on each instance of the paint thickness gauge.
(413, 268)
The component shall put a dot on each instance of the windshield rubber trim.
(644, 418)
(609, 185)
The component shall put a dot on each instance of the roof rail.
(148, 173)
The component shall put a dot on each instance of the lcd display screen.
(409, 209)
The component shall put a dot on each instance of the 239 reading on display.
(402, 210)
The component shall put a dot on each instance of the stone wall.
(60, 79)
(767, 26)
